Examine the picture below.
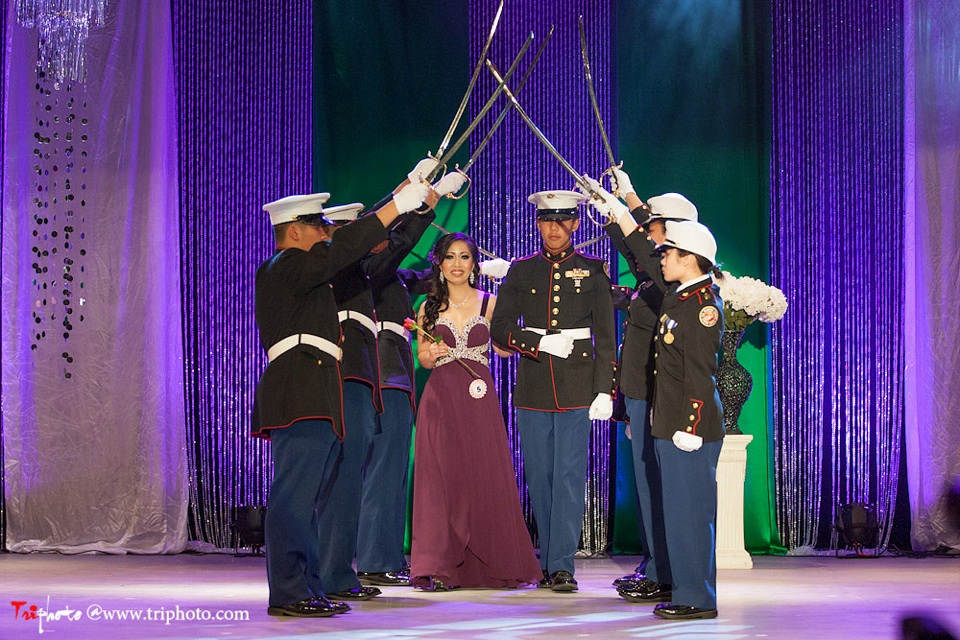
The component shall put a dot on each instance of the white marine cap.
(690, 236)
(557, 205)
(343, 213)
(670, 206)
(306, 208)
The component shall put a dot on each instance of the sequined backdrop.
(515, 164)
(244, 108)
(836, 211)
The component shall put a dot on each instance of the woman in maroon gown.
(468, 529)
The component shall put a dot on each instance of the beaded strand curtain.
(836, 196)
(515, 164)
(244, 109)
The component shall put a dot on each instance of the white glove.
(411, 196)
(687, 441)
(423, 169)
(449, 183)
(557, 344)
(602, 407)
(496, 268)
(621, 182)
(604, 201)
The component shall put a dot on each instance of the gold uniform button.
(556, 287)
(584, 354)
(692, 418)
(556, 276)
(556, 311)
(654, 372)
(556, 265)
(656, 355)
(553, 323)
(319, 361)
(556, 298)
(689, 429)
(533, 290)
(578, 290)
(695, 405)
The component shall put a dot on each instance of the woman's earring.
(441, 277)
(472, 278)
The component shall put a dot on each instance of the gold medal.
(668, 339)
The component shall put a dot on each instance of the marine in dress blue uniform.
(688, 420)
(360, 373)
(297, 402)
(362, 399)
(637, 243)
(556, 310)
(383, 509)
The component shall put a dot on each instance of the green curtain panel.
(693, 118)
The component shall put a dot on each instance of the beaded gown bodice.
(470, 342)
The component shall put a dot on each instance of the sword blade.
(506, 109)
(473, 80)
(589, 242)
(539, 134)
(488, 105)
(593, 95)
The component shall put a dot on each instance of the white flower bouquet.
(746, 299)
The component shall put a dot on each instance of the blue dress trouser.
(690, 515)
(646, 472)
(338, 524)
(554, 448)
(305, 456)
(383, 510)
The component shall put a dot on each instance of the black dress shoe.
(683, 612)
(309, 608)
(646, 592)
(357, 593)
(563, 581)
(545, 582)
(385, 579)
(630, 579)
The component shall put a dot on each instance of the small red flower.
(409, 324)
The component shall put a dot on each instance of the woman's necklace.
(457, 305)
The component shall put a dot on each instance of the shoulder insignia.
(709, 316)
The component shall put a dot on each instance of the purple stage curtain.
(836, 200)
(92, 377)
(932, 246)
(244, 114)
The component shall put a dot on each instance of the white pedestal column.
(731, 472)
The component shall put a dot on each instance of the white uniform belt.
(581, 333)
(366, 321)
(386, 325)
(290, 342)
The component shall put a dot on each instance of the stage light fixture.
(248, 528)
(856, 526)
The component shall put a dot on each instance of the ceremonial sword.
(506, 109)
(593, 95)
(539, 134)
(466, 97)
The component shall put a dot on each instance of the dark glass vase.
(734, 382)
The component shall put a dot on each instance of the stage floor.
(780, 598)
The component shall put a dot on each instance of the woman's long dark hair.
(438, 298)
